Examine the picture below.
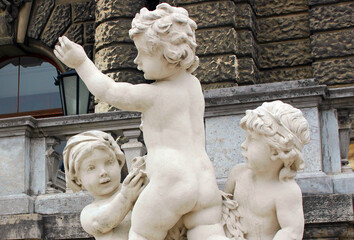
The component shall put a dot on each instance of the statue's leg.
(159, 207)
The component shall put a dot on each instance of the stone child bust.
(173, 111)
(93, 162)
(270, 201)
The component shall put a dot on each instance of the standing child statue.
(93, 161)
(269, 200)
(182, 179)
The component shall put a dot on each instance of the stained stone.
(332, 44)
(335, 71)
(217, 69)
(84, 11)
(41, 12)
(58, 23)
(286, 74)
(282, 54)
(216, 41)
(112, 58)
(244, 17)
(89, 32)
(248, 72)
(113, 31)
(106, 9)
(75, 33)
(246, 44)
(276, 7)
(282, 28)
(332, 16)
(130, 76)
(316, 2)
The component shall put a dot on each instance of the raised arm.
(290, 213)
(125, 96)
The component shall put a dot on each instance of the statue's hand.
(70, 53)
(133, 185)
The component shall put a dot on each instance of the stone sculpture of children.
(182, 179)
(269, 199)
(93, 162)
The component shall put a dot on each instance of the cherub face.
(257, 152)
(99, 173)
(154, 66)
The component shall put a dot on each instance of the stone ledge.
(343, 183)
(26, 226)
(16, 204)
(62, 203)
(315, 183)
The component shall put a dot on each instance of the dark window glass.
(27, 84)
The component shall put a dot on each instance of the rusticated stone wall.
(51, 19)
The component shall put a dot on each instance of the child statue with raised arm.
(182, 179)
(269, 200)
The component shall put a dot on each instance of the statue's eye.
(90, 168)
(109, 162)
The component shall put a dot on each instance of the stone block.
(286, 74)
(344, 183)
(64, 226)
(334, 71)
(212, 14)
(16, 204)
(332, 44)
(107, 9)
(329, 231)
(314, 183)
(277, 7)
(317, 2)
(115, 57)
(25, 226)
(218, 85)
(283, 27)
(332, 16)
(284, 54)
(59, 21)
(246, 45)
(244, 17)
(328, 208)
(40, 15)
(217, 69)
(113, 31)
(76, 33)
(38, 166)
(216, 41)
(89, 32)
(62, 203)
(84, 11)
(14, 165)
(89, 50)
(248, 72)
(130, 76)
(189, 1)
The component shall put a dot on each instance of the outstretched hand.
(70, 53)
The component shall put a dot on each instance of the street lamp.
(75, 97)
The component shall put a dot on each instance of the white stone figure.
(269, 199)
(182, 179)
(93, 162)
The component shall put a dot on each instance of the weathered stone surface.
(106, 9)
(314, 183)
(16, 204)
(332, 16)
(328, 208)
(130, 76)
(89, 50)
(283, 54)
(332, 44)
(282, 28)
(218, 85)
(41, 12)
(189, 1)
(115, 57)
(316, 2)
(84, 11)
(248, 72)
(246, 45)
(244, 17)
(58, 23)
(75, 33)
(333, 72)
(212, 14)
(63, 226)
(276, 7)
(329, 231)
(217, 69)
(26, 226)
(286, 74)
(89, 32)
(113, 31)
(216, 41)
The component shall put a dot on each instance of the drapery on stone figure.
(182, 179)
(93, 162)
(269, 199)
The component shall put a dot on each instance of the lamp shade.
(75, 97)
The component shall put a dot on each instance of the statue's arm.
(290, 213)
(231, 179)
(125, 96)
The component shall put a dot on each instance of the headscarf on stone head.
(76, 148)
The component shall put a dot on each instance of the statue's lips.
(105, 180)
